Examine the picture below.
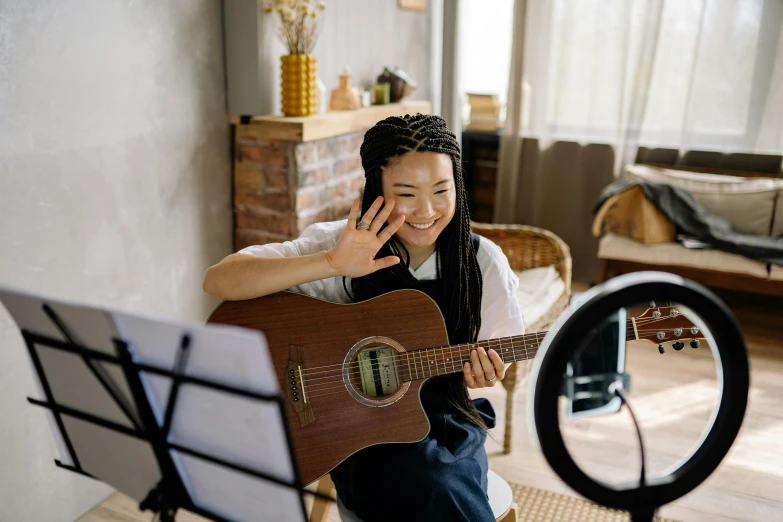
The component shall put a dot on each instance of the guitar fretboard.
(443, 360)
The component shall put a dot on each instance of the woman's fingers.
(372, 211)
(478, 370)
(380, 219)
(488, 369)
(352, 215)
(386, 262)
(392, 229)
(467, 374)
(497, 362)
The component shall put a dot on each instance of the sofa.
(751, 202)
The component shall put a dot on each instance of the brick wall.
(281, 187)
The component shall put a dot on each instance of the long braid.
(457, 265)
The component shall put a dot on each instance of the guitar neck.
(429, 362)
(443, 360)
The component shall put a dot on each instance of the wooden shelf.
(333, 123)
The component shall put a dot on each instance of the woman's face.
(422, 185)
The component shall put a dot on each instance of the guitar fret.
(428, 362)
(443, 360)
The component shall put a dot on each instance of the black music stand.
(173, 415)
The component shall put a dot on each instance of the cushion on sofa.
(612, 246)
(746, 203)
(776, 272)
(539, 289)
(777, 219)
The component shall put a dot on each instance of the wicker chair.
(528, 247)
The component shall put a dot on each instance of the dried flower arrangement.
(297, 23)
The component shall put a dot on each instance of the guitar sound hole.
(374, 371)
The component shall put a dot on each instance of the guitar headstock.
(665, 324)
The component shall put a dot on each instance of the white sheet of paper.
(234, 496)
(226, 426)
(100, 451)
(240, 430)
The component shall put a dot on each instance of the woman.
(414, 232)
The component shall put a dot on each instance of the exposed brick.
(249, 154)
(245, 238)
(483, 195)
(250, 199)
(357, 183)
(337, 190)
(341, 208)
(306, 155)
(276, 223)
(276, 178)
(351, 143)
(307, 199)
(316, 176)
(307, 220)
(248, 177)
(347, 165)
(268, 153)
(328, 148)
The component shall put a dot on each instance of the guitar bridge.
(296, 386)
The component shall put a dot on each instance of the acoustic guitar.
(351, 374)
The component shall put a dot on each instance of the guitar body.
(315, 347)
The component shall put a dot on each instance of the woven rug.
(537, 505)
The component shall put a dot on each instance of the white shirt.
(500, 314)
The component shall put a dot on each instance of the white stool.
(501, 501)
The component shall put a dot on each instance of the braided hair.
(456, 262)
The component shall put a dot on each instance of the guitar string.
(427, 365)
(529, 338)
(413, 373)
(415, 363)
(427, 358)
(534, 337)
(459, 349)
(629, 330)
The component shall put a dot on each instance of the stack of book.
(485, 112)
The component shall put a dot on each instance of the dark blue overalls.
(441, 478)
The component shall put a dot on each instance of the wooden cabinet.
(480, 166)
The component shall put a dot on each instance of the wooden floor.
(672, 395)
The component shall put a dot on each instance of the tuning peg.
(651, 304)
(660, 348)
(679, 345)
(695, 343)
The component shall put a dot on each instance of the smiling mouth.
(423, 226)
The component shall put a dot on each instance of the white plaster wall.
(114, 190)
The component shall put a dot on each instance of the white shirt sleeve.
(500, 313)
(314, 239)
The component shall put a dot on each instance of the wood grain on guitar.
(352, 373)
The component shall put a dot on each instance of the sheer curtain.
(592, 80)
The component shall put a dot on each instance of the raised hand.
(355, 251)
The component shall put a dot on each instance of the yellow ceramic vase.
(299, 88)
